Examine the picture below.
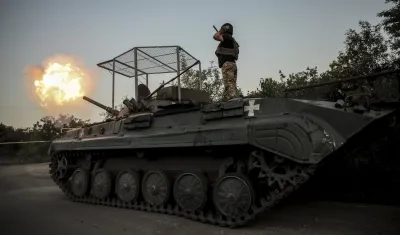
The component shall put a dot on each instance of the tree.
(365, 52)
(210, 80)
(46, 129)
(50, 127)
(269, 87)
(309, 76)
(391, 23)
(11, 134)
(70, 121)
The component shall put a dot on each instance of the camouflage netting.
(150, 60)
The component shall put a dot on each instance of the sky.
(273, 35)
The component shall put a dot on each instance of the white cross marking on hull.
(251, 107)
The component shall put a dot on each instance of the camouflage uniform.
(228, 53)
(229, 76)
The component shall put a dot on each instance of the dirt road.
(31, 204)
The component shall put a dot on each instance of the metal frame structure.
(146, 60)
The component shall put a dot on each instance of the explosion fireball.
(59, 82)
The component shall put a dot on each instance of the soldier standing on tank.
(227, 53)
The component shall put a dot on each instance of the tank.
(221, 163)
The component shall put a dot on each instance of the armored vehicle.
(174, 151)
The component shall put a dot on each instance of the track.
(271, 192)
(210, 216)
(31, 203)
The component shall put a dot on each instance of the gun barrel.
(94, 102)
(369, 76)
(108, 109)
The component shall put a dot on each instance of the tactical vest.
(229, 51)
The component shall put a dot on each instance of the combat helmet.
(227, 27)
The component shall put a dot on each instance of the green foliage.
(46, 129)
(365, 51)
(269, 87)
(391, 23)
(209, 80)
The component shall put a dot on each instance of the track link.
(209, 217)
